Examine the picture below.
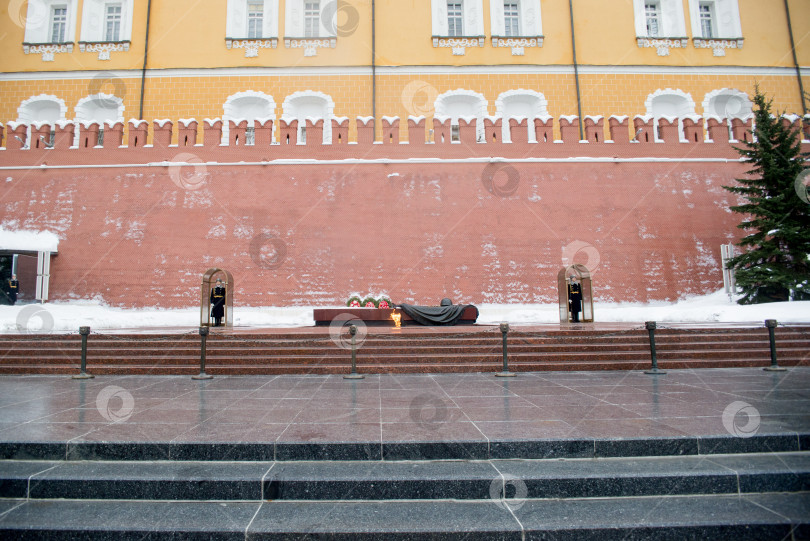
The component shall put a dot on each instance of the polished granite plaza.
(411, 416)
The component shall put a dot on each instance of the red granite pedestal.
(378, 316)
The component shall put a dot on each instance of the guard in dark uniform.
(574, 299)
(218, 302)
(13, 288)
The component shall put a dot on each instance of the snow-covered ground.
(68, 316)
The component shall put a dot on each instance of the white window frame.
(726, 19)
(530, 24)
(111, 18)
(672, 23)
(38, 20)
(60, 24)
(511, 19)
(94, 21)
(472, 23)
(236, 20)
(312, 18)
(294, 20)
(255, 20)
(653, 14)
(455, 18)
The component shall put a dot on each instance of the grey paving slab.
(150, 481)
(665, 518)
(14, 476)
(112, 520)
(380, 480)
(345, 521)
(776, 472)
(620, 477)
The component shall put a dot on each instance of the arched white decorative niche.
(462, 103)
(669, 102)
(312, 105)
(520, 103)
(727, 103)
(250, 106)
(99, 108)
(40, 109)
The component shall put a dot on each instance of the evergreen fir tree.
(775, 263)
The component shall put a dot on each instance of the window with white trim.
(255, 15)
(312, 19)
(456, 18)
(715, 19)
(112, 30)
(515, 18)
(659, 19)
(707, 19)
(652, 16)
(58, 23)
(511, 18)
(251, 19)
(50, 21)
(104, 21)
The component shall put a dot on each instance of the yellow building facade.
(104, 59)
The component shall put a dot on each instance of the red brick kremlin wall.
(647, 218)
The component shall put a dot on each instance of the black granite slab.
(556, 448)
(652, 446)
(223, 450)
(380, 480)
(435, 450)
(758, 443)
(772, 472)
(21, 450)
(114, 520)
(14, 476)
(151, 481)
(382, 521)
(620, 477)
(329, 451)
(659, 518)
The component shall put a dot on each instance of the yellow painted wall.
(192, 35)
(193, 38)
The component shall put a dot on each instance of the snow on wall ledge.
(187, 132)
(310, 233)
(28, 241)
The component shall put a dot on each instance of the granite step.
(750, 517)
(411, 480)
(466, 351)
(92, 448)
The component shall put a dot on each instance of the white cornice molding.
(409, 70)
